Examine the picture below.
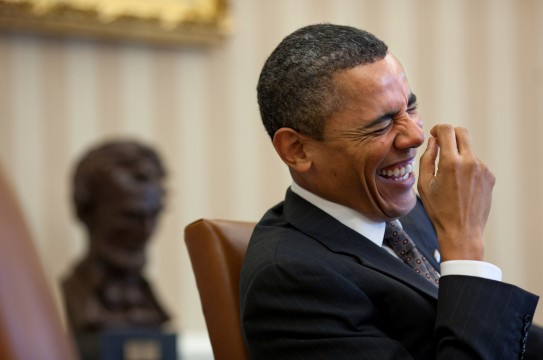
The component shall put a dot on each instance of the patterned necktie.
(398, 240)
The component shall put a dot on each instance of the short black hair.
(296, 88)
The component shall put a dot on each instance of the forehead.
(374, 89)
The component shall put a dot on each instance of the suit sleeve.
(482, 319)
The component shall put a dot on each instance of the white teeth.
(398, 174)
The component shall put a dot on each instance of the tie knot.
(397, 238)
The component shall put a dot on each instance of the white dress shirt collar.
(372, 230)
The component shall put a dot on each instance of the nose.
(410, 134)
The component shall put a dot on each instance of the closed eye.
(412, 109)
(412, 104)
(384, 126)
(376, 129)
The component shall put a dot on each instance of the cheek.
(358, 163)
(370, 162)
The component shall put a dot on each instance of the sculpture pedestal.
(128, 344)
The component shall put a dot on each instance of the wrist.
(461, 247)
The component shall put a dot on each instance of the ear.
(290, 145)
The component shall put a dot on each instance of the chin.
(399, 207)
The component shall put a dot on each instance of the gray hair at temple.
(296, 86)
(126, 163)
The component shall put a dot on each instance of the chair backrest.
(216, 249)
(30, 325)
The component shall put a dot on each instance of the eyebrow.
(412, 99)
(385, 117)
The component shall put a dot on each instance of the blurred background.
(474, 63)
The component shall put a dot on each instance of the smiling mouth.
(398, 172)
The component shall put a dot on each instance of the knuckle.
(461, 130)
(473, 164)
(490, 176)
(446, 128)
(449, 163)
(481, 170)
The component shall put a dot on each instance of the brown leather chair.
(30, 325)
(216, 249)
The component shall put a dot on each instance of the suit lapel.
(341, 239)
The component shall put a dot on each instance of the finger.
(463, 141)
(446, 139)
(427, 162)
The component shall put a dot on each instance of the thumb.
(427, 162)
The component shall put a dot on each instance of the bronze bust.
(118, 193)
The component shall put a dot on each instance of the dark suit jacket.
(312, 288)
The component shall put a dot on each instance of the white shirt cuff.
(471, 268)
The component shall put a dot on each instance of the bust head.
(118, 194)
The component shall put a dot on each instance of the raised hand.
(456, 190)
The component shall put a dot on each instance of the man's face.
(122, 222)
(366, 159)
